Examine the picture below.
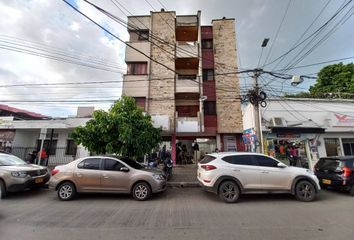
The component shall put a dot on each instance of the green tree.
(124, 130)
(336, 80)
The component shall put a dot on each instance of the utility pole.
(257, 97)
(257, 117)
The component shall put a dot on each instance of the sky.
(47, 42)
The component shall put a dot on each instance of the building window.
(207, 44)
(332, 147)
(71, 147)
(210, 108)
(140, 102)
(189, 77)
(141, 35)
(137, 68)
(348, 146)
(208, 75)
(46, 143)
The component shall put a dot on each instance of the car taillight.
(347, 171)
(208, 167)
(55, 171)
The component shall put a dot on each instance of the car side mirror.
(281, 165)
(124, 169)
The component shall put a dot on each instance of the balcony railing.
(187, 20)
(187, 124)
(187, 84)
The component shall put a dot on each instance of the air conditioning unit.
(278, 122)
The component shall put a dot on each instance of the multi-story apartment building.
(183, 75)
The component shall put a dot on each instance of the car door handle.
(236, 170)
(265, 172)
(105, 176)
(78, 174)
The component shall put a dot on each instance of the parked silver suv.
(16, 175)
(232, 174)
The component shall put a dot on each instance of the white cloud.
(75, 26)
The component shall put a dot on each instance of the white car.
(230, 174)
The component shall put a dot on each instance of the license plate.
(38, 180)
(326, 181)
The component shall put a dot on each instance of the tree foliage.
(334, 81)
(124, 130)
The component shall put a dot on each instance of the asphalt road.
(179, 213)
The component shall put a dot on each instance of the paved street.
(180, 213)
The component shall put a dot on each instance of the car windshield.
(132, 163)
(10, 160)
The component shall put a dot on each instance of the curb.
(183, 184)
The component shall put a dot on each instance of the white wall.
(25, 138)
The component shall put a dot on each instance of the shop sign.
(288, 135)
(341, 120)
(6, 121)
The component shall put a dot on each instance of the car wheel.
(141, 191)
(66, 191)
(305, 191)
(3, 191)
(351, 192)
(229, 192)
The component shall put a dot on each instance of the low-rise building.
(22, 137)
(316, 127)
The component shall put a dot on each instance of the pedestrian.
(294, 154)
(44, 157)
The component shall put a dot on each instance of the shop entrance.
(292, 152)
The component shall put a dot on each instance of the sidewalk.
(184, 176)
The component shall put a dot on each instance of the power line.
(311, 35)
(315, 64)
(276, 35)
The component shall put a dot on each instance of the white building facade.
(317, 127)
(22, 137)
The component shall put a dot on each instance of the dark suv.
(336, 172)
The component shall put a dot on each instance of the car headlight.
(19, 174)
(310, 172)
(158, 177)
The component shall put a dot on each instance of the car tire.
(229, 192)
(305, 191)
(66, 191)
(141, 191)
(351, 192)
(3, 191)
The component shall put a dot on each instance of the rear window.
(207, 159)
(330, 164)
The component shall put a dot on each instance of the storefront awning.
(297, 130)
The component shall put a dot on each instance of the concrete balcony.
(162, 121)
(138, 22)
(187, 50)
(187, 124)
(191, 21)
(132, 55)
(135, 85)
(187, 85)
(187, 28)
